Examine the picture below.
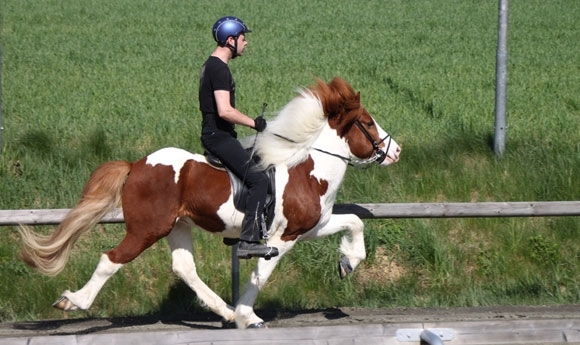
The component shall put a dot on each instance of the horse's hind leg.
(85, 297)
(130, 247)
(184, 266)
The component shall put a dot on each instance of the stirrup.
(256, 250)
(228, 241)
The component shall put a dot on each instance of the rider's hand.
(260, 124)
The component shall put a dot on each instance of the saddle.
(240, 191)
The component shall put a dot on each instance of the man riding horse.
(217, 102)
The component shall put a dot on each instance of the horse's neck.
(328, 152)
(328, 140)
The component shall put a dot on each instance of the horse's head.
(367, 141)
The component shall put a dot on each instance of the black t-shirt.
(215, 75)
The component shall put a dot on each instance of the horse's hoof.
(257, 325)
(228, 324)
(344, 267)
(65, 304)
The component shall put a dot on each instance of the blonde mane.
(299, 123)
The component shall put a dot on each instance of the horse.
(311, 141)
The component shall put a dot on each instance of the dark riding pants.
(237, 159)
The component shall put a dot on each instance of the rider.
(217, 102)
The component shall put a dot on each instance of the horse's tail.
(102, 193)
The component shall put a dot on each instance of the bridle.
(378, 154)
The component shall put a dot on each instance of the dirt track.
(288, 319)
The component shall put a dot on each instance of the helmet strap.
(234, 48)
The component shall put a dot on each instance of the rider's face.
(242, 43)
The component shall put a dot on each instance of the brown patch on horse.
(208, 189)
(360, 146)
(162, 201)
(340, 103)
(301, 200)
(342, 106)
(152, 217)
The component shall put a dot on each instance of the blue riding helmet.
(226, 27)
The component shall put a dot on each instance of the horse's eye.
(370, 124)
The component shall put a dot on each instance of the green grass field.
(87, 82)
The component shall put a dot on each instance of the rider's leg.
(257, 182)
(238, 160)
(253, 222)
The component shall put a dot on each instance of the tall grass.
(87, 82)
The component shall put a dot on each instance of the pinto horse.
(310, 143)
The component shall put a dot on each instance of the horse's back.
(172, 156)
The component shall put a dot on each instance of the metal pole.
(501, 80)
(235, 275)
(1, 127)
(430, 338)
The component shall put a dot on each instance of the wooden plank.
(572, 335)
(555, 331)
(48, 216)
(462, 210)
(513, 331)
(357, 335)
(512, 337)
(365, 211)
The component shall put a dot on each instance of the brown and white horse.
(310, 142)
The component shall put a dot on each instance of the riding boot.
(250, 245)
(247, 250)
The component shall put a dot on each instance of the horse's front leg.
(245, 316)
(352, 245)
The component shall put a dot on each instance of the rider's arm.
(229, 113)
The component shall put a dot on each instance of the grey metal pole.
(1, 127)
(501, 80)
(430, 338)
(235, 275)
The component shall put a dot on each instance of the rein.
(379, 155)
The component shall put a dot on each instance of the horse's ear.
(358, 97)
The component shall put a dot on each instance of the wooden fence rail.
(365, 211)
